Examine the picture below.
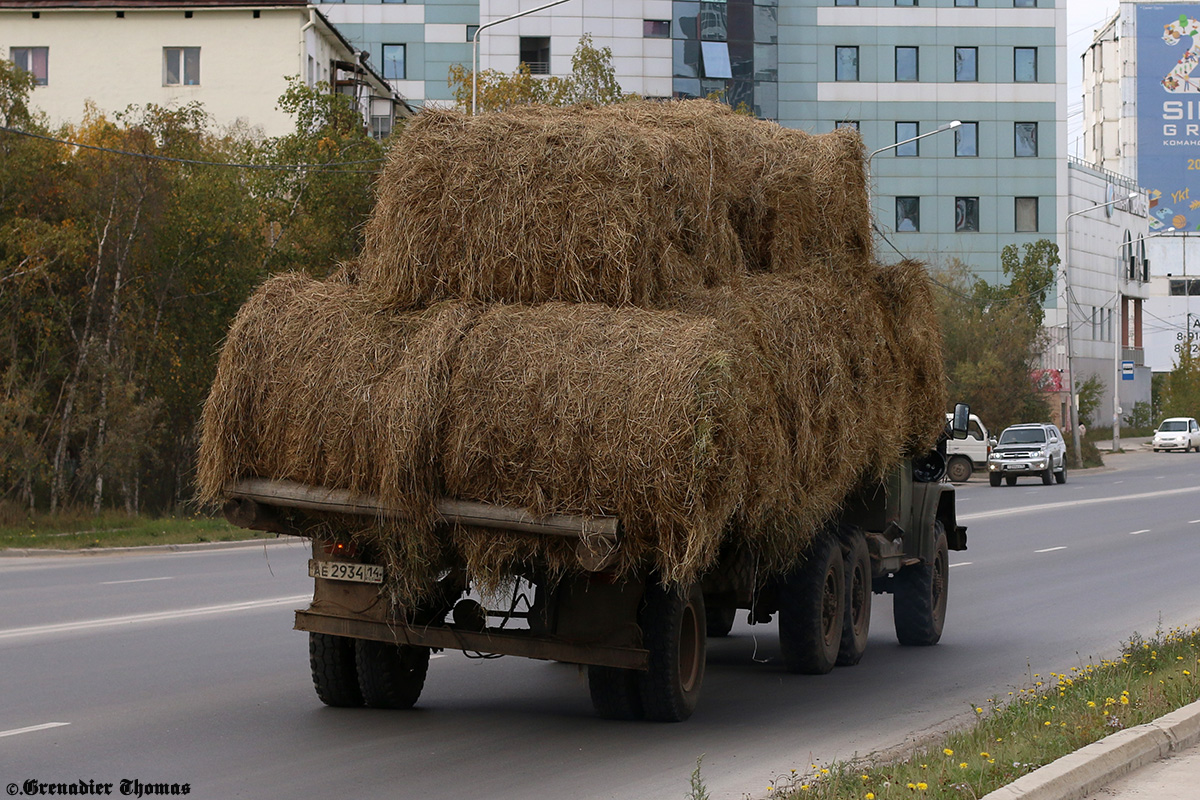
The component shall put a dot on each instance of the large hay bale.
(317, 385)
(586, 409)
(626, 204)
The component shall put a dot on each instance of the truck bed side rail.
(244, 495)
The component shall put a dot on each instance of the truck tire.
(812, 601)
(718, 621)
(1011, 480)
(672, 623)
(1048, 476)
(994, 479)
(858, 598)
(615, 693)
(919, 601)
(390, 675)
(334, 674)
(959, 469)
(1061, 475)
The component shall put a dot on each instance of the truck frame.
(643, 641)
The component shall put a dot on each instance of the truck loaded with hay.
(600, 379)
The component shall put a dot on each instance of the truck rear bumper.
(511, 643)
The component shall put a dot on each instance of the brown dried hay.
(586, 409)
(632, 203)
(748, 413)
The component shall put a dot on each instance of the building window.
(966, 64)
(381, 128)
(907, 68)
(847, 64)
(394, 1)
(1188, 287)
(471, 31)
(181, 66)
(1026, 214)
(906, 2)
(904, 132)
(535, 54)
(34, 60)
(852, 124)
(966, 214)
(656, 28)
(716, 59)
(965, 3)
(1025, 64)
(845, 2)
(393, 62)
(1024, 3)
(908, 214)
(1025, 144)
(966, 140)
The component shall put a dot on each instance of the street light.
(1116, 425)
(475, 44)
(949, 126)
(1072, 412)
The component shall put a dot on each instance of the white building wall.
(117, 62)
(641, 65)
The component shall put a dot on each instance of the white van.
(964, 456)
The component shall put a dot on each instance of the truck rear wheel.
(334, 674)
(812, 600)
(673, 627)
(919, 601)
(390, 675)
(615, 693)
(994, 479)
(858, 598)
(959, 469)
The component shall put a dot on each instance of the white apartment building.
(235, 57)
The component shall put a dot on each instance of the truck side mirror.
(961, 421)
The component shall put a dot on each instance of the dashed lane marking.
(32, 728)
(141, 619)
(135, 580)
(1051, 549)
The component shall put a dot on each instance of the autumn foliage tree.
(121, 265)
(993, 334)
(592, 80)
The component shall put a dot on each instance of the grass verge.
(1027, 728)
(77, 531)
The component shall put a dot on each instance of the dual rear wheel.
(348, 673)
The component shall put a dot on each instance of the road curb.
(30, 552)
(1081, 773)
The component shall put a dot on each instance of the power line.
(327, 167)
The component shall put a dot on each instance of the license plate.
(1014, 466)
(345, 571)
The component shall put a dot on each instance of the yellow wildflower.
(948, 751)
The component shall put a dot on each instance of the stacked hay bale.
(663, 311)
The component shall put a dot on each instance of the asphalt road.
(183, 668)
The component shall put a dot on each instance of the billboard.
(1168, 94)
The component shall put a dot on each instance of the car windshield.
(1023, 436)
(1174, 425)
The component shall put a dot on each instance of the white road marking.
(1050, 549)
(1135, 533)
(44, 726)
(159, 616)
(135, 580)
(1006, 512)
(962, 564)
(1193, 521)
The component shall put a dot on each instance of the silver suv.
(1029, 449)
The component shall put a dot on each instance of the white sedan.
(1177, 433)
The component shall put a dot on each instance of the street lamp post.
(475, 44)
(949, 126)
(1072, 410)
(1117, 336)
